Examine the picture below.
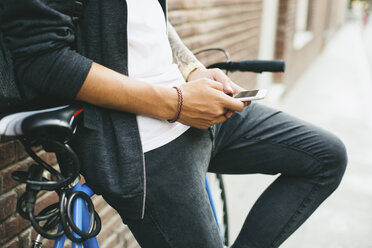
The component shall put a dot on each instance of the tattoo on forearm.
(182, 56)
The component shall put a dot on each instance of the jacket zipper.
(144, 186)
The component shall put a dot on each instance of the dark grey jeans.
(310, 161)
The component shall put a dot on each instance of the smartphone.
(251, 95)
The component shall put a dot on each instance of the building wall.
(230, 24)
(233, 25)
(325, 16)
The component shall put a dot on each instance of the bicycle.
(74, 216)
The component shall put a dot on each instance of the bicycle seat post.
(37, 242)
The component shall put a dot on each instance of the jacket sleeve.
(40, 35)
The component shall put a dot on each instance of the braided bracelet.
(180, 102)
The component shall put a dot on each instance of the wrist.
(190, 68)
(168, 103)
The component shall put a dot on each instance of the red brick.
(25, 238)
(99, 202)
(47, 243)
(8, 181)
(109, 226)
(20, 190)
(36, 149)
(48, 157)
(47, 199)
(2, 233)
(109, 242)
(20, 151)
(121, 238)
(10, 229)
(130, 241)
(13, 226)
(7, 153)
(8, 204)
(22, 223)
(14, 243)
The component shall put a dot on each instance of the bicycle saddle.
(58, 123)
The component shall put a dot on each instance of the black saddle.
(59, 123)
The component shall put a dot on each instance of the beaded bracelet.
(180, 102)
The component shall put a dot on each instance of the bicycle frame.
(210, 197)
(80, 210)
(81, 219)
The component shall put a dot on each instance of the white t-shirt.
(150, 60)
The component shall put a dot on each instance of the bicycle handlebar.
(251, 66)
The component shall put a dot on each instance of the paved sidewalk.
(334, 93)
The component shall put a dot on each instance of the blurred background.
(327, 46)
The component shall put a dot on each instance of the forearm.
(182, 56)
(107, 88)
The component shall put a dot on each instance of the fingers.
(205, 104)
(220, 119)
(207, 123)
(233, 104)
(220, 76)
(223, 117)
(214, 84)
(229, 102)
(228, 114)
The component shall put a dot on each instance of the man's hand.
(215, 103)
(229, 87)
(206, 104)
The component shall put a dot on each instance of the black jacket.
(52, 57)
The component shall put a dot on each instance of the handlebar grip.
(252, 66)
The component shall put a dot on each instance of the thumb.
(225, 80)
(227, 89)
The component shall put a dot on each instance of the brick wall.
(233, 25)
(324, 18)
(230, 24)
